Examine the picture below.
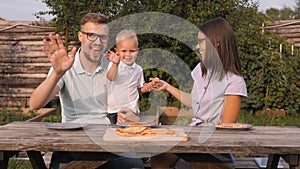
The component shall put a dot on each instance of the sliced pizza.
(144, 131)
(231, 125)
(130, 131)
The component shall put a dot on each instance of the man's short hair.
(95, 18)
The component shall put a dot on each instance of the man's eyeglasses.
(200, 40)
(92, 37)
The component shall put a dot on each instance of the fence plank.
(289, 29)
(23, 65)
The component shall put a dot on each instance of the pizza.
(157, 132)
(144, 131)
(130, 131)
(231, 125)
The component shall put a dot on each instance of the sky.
(23, 10)
(266, 4)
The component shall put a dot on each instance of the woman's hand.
(159, 84)
(58, 55)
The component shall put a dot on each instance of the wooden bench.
(40, 114)
(240, 163)
(168, 115)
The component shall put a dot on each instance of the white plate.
(234, 126)
(64, 126)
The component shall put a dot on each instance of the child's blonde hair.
(126, 34)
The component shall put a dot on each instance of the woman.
(218, 86)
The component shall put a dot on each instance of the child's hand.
(158, 84)
(113, 57)
(148, 87)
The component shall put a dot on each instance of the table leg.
(4, 158)
(36, 160)
(273, 160)
(292, 160)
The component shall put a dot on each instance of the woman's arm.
(231, 109)
(183, 97)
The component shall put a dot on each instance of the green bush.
(272, 78)
(19, 164)
(56, 118)
(10, 115)
(265, 120)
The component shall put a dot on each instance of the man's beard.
(92, 48)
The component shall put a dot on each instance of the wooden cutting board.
(111, 135)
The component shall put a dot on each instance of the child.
(125, 77)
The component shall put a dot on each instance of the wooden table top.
(35, 136)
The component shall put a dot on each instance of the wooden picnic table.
(35, 137)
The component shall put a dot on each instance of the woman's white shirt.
(208, 94)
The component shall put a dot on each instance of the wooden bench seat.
(41, 113)
(241, 163)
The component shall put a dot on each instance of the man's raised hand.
(57, 54)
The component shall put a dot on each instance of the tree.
(69, 13)
(286, 13)
(297, 10)
(273, 13)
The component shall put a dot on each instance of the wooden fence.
(289, 29)
(23, 65)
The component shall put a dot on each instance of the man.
(80, 79)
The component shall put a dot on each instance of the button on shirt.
(83, 95)
(123, 90)
(208, 94)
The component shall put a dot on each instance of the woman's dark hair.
(221, 41)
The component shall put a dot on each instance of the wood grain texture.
(26, 136)
(22, 62)
(289, 29)
(111, 135)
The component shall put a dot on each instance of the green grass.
(265, 120)
(19, 164)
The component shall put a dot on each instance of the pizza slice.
(145, 131)
(130, 131)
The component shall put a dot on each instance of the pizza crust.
(231, 125)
